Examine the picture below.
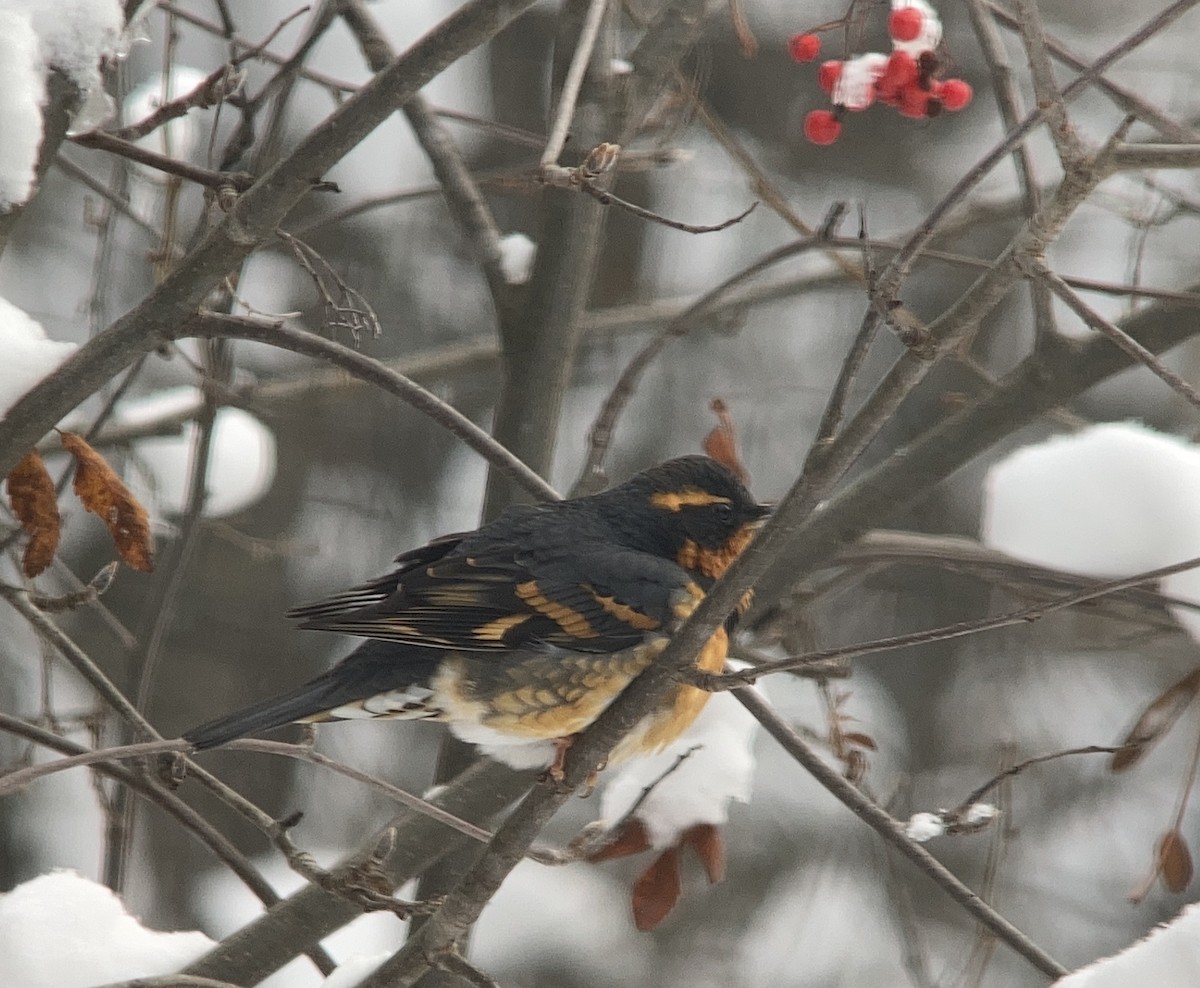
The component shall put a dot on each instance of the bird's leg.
(561, 747)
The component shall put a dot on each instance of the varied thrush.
(520, 633)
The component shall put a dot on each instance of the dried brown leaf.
(721, 443)
(657, 890)
(35, 503)
(103, 493)
(1174, 861)
(705, 840)
(1158, 718)
(632, 839)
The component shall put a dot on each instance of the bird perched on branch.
(520, 633)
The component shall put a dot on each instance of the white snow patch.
(1168, 958)
(699, 789)
(36, 36)
(517, 252)
(241, 464)
(28, 355)
(75, 34)
(22, 92)
(855, 87)
(62, 930)
(925, 826)
(575, 919)
(1112, 500)
(931, 28)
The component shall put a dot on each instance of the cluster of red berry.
(907, 79)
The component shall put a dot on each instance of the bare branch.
(892, 832)
(253, 219)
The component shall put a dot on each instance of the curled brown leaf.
(705, 840)
(721, 442)
(1174, 861)
(1158, 718)
(632, 839)
(657, 890)
(35, 503)
(103, 493)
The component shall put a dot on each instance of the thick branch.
(252, 220)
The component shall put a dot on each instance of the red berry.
(955, 94)
(804, 47)
(914, 102)
(906, 23)
(828, 75)
(900, 72)
(822, 127)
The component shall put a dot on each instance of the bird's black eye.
(723, 511)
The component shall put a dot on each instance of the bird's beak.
(759, 514)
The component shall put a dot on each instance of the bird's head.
(692, 510)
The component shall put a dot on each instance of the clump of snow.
(242, 457)
(28, 354)
(22, 92)
(855, 87)
(517, 252)
(573, 919)
(1168, 957)
(980, 813)
(62, 930)
(36, 36)
(718, 769)
(75, 34)
(931, 28)
(925, 826)
(1110, 501)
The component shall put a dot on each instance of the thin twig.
(1014, 770)
(99, 141)
(1008, 99)
(959, 629)
(1126, 99)
(606, 198)
(192, 821)
(463, 197)
(565, 109)
(591, 475)
(893, 832)
(215, 325)
(350, 310)
(1049, 97)
(899, 267)
(1122, 339)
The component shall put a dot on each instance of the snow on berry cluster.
(908, 79)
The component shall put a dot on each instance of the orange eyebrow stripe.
(689, 497)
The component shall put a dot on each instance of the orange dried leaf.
(103, 493)
(1174, 861)
(1158, 718)
(657, 890)
(632, 839)
(721, 443)
(705, 840)
(35, 503)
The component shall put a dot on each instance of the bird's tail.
(375, 668)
